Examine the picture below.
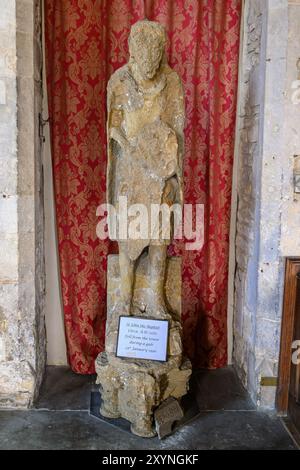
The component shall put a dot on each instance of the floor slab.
(219, 415)
(62, 389)
(39, 429)
(220, 389)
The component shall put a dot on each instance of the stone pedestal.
(131, 388)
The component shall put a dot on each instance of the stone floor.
(226, 419)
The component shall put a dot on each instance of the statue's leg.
(157, 260)
(127, 279)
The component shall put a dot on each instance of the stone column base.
(133, 389)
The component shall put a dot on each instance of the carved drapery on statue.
(146, 166)
(85, 43)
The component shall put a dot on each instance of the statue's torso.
(149, 109)
(145, 118)
(135, 106)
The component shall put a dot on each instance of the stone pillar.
(290, 236)
(22, 333)
(261, 163)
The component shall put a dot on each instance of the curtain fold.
(86, 41)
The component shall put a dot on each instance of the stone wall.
(290, 238)
(248, 179)
(262, 160)
(22, 332)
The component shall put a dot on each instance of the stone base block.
(133, 389)
(130, 388)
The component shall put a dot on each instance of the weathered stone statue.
(145, 146)
(145, 151)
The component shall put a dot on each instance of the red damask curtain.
(86, 41)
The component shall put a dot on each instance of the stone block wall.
(248, 190)
(259, 268)
(290, 238)
(22, 332)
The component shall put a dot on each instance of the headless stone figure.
(145, 147)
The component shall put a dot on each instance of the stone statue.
(145, 151)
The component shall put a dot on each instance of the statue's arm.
(117, 144)
(177, 114)
(117, 135)
(115, 117)
(114, 120)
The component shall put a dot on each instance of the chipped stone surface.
(166, 415)
(132, 389)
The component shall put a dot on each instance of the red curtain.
(86, 41)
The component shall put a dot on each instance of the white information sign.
(142, 338)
